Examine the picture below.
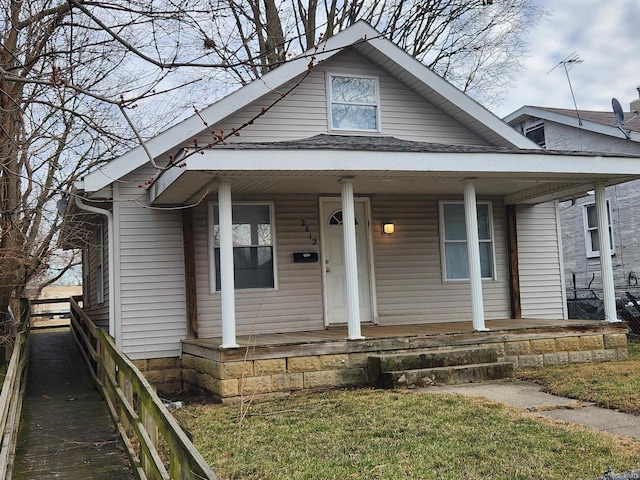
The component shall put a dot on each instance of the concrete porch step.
(422, 368)
(432, 358)
(425, 377)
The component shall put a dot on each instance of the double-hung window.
(253, 241)
(453, 241)
(353, 103)
(100, 264)
(86, 276)
(592, 241)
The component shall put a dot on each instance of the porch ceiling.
(529, 177)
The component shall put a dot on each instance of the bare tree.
(478, 45)
(69, 69)
(79, 80)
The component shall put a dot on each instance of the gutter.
(111, 262)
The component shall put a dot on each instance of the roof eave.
(465, 109)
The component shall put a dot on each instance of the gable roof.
(598, 122)
(365, 40)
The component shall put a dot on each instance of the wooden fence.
(13, 389)
(157, 447)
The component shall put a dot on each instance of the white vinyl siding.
(539, 261)
(403, 113)
(408, 265)
(297, 303)
(152, 295)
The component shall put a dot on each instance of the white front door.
(334, 265)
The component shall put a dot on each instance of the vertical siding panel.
(539, 261)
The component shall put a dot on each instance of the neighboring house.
(343, 205)
(560, 129)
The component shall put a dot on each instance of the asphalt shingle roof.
(603, 118)
(392, 144)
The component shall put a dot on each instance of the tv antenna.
(617, 111)
(568, 63)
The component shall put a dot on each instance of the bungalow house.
(365, 206)
(593, 131)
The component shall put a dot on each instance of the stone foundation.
(165, 374)
(233, 374)
(270, 377)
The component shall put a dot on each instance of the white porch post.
(350, 261)
(606, 268)
(473, 250)
(227, 285)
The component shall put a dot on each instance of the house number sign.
(303, 224)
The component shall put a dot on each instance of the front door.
(334, 264)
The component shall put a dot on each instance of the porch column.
(473, 250)
(606, 268)
(227, 285)
(350, 261)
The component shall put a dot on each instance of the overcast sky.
(605, 35)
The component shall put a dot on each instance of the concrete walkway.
(530, 396)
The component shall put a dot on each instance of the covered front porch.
(412, 182)
(270, 365)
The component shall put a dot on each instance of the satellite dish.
(617, 110)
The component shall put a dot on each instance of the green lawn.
(370, 434)
(613, 385)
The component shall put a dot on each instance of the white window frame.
(591, 253)
(443, 241)
(330, 102)
(86, 276)
(212, 247)
(100, 264)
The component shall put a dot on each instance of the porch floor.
(376, 332)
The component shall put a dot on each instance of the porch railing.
(13, 389)
(156, 445)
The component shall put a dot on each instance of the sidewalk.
(529, 396)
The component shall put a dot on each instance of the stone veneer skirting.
(163, 373)
(275, 370)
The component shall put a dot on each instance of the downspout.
(111, 261)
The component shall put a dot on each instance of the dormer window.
(353, 103)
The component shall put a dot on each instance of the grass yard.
(613, 385)
(375, 434)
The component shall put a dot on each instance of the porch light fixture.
(388, 228)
